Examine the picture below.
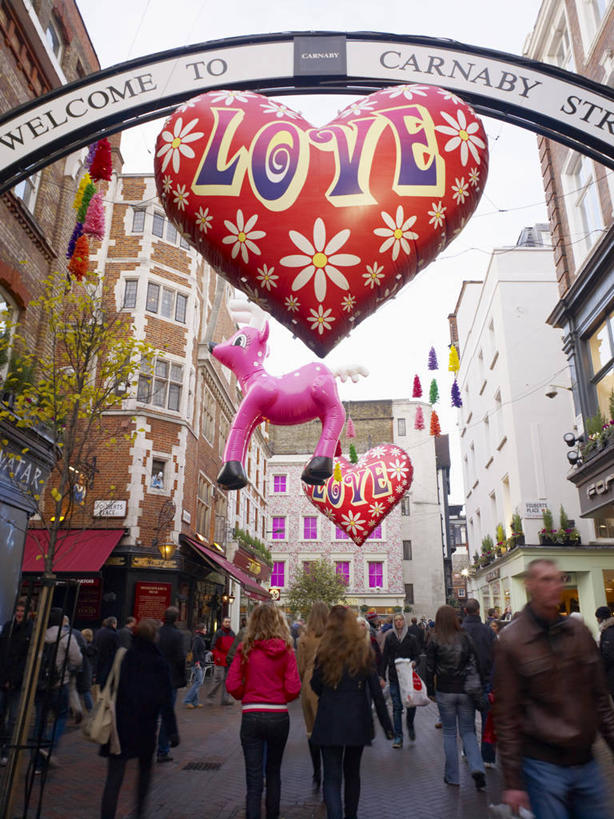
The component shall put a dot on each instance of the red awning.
(78, 550)
(218, 561)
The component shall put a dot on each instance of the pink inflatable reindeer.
(295, 398)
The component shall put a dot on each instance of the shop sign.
(151, 600)
(275, 593)
(115, 561)
(110, 509)
(186, 517)
(251, 565)
(88, 604)
(533, 509)
(493, 575)
(597, 493)
(152, 563)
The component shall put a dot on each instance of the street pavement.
(206, 777)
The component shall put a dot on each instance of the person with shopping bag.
(399, 643)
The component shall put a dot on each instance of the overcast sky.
(394, 342)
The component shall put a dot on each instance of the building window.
(54, 39)
(208, 414)
(590, 15)
(342, 567)
(280, 483)
(310, 528)
(278, 575)
(160, 384)
(158, 468)
(157, 227)
(203, 506)
(340, 534)
(376, 575)
(461, 593)
(224, 428)
(409, 593)
(27, 190)
(376, 534)
(130, 293)
(279, 529)
(181, 308)
(153, 297)
(601, 347)
(407, 550)
(604, 527)
(559, 51)
(401, 426)
(583, 208)
(307, 566)
(166, 303)
(171, 233)
(405, 505)
(138, 220)
(183, 242)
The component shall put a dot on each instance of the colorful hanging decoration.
(91, 152)
(350, 432)
(432, 363)
(337, 474)
(83, 183)
(94, 221)
(79, 261)
(454, 363)
(457, 401)
(90, 190)
(434, 392)
(435, 428)
(73, 239)
(353, 454)
(419, 421)
(417, 390)
(102, 164)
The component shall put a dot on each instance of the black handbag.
(473, 683)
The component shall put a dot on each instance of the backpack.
(49, 675)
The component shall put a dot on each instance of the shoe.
(230, 702)
(437, 725)
(491, 765)
(190, 706)
(165, 758)
(412, 733)
(199, 705)
(480, 780)
(50, 761)
(398, 743)
(454, 784)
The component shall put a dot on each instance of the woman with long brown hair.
(345, 680)
(306, 649)
(264, 676)
(450, 656)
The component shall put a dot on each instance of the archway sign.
(563, 106)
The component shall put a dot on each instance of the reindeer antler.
(246, 312)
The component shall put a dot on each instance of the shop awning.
(79, 550)
(218, 561)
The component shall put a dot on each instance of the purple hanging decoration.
(90, 155)
(73, 239)
(433, 365)
(457, 401)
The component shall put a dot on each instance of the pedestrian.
(491, 615)
(399, 643)
(606, 644)
(106, 643)
(264, 676)
(372, 640)
(199, 658)
(85, 675)
(418, 633)
(14, 644)
(551, 699)
(74, 700)
(484, 639)
(126, 633)
(507, 614)
(144, 693)
(387, 624)
(220, 646)
(170, 643)
(449, 655)
(239, 636)
(306, 650)
(346, 682)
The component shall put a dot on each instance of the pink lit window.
(279, 483)
(307, 566)
(310, 528)
(343, 570)
(278, 575)
(279, 529)
(376, 575)
(376, 534)
(340, 534)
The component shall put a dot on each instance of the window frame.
(401, 427)
(310, 518)
(276, 535)
(140, 212)
(283, 491)
(163, 461)
(158, 219)
(125, 305)
(275, 583)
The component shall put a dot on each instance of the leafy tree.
(318, 581)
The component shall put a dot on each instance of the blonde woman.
(264, 676)
(306, 650)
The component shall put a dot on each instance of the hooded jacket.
(68, 643)
(606, 647)
(221, 645)
(405, 646)
(14, 644)
(268, 680)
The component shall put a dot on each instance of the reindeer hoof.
(232, 475)
(318, 470)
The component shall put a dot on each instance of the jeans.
(397, 712)
(56, 703)
(219, 680)
(260, 730)
(341, 763)
(565, 792)
(453, 708)
(164, 743)
(88, 701)
(198, 675)
(9, 703)
(489, 749)
(115, 776)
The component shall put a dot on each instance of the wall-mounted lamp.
(553, 390)
(167, 550)
(574, 456)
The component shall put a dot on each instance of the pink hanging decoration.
(419, 422)
(417, 391)
(350, 432)
(94, 221)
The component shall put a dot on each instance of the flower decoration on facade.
(228, 97)
(266, 277)
(320, 259)
(181, 196)
(461, 190)
(204, 219)
(176, 143)
(242, 236)
(463, 136)
(374, 275)
(438, 214)
(320, 319)
(396, 233)
(353, 521)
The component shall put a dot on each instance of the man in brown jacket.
(551, 700)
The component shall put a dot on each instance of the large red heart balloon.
(322, 225)
(367, 492)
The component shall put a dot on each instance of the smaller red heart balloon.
(367, 491)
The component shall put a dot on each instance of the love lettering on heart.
(320, 226)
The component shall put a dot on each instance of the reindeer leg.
(326, 397)
(232, 474)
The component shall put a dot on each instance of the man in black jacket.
(484, 639)
(14, 644)
(399, 643)
(170, 643)
(106, 643)
(199, 659)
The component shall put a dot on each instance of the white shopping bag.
(413, 690)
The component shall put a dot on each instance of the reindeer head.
(246, 350)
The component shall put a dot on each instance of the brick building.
(577, 35)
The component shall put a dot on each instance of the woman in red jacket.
(264, 676)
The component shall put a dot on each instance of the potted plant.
(547, 534)
(488, 551)
(501, 541)
(567, 534)
(476, 559)
(517, 536)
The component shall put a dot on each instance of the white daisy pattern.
(461, 190)
(378, 451)
(377, 509)
(253, 294)
(398, 470)
(242, 236)
(348, 303)
(228, 97)
(356, 109)
(320, 259)
(400, 490)
(181, 196)
(374, 275)
(474, 177)
(353, 521)
(320, 319)
(204, 219)
(266, 277)
(175, 143)
(186, 105)
(278, 109)
(448, 95)
(167, 184)
(292, 303)
(463, 136)
(396, 233)
(438, 214)
(407, 91)
(329, 513)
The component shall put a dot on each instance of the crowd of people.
(540, 683)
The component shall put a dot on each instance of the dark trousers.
(316, 753)
(341, 763)
(9, 703)
(115, 776)
(260, 730)
(164, 743)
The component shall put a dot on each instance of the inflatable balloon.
(319, 226)
(367, 491)
(299, 396)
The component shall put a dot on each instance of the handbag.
(473, 683)
(101, 725)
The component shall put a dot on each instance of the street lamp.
(167, 550)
